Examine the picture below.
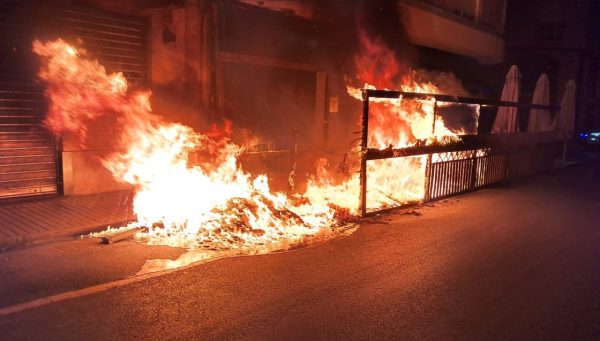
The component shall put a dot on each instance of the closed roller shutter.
(118, 42)
(29, 155)
(27, 150)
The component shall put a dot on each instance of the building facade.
(270, 66)
(560, 38)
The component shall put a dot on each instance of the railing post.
(427, 184)
(427, 194)
(363, 155)
(473, 184)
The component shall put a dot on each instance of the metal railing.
(475, 161)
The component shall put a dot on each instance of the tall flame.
(215, 203)
(392, 122)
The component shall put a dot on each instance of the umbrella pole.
(564, 153)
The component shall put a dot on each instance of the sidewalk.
(40, 220)
(32, 221)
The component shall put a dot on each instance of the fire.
(213, 204)
(396, 123)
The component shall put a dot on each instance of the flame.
(214, 204)
(216, 133)
(396, 123)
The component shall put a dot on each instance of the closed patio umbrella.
(539, 119)
(506, 118)
(565, 120)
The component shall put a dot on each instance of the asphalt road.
(514, 262)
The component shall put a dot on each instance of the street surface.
(514, 262)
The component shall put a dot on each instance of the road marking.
(77, 293)
(97, 288)
(17, 308)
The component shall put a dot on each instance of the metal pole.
(427, 184)
(434, 117)
(457, 99)
(363, 156)
(474, 166)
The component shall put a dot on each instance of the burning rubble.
(215, 204)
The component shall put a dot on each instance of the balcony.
(472, 28)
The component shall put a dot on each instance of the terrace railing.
(473, 162)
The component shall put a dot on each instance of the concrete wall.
(182, 62)
(83, 172)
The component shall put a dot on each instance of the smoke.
(382, 20)
(446, 82)
(378, 20)
(357, 27)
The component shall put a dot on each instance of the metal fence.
(475, 161)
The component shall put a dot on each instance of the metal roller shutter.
(27, 150)
(119, 42)
(29, 154)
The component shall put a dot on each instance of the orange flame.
(394, 123)
(216, 133)
(215, 204)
